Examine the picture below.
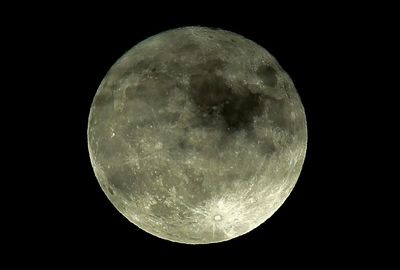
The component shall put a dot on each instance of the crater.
(186, 48)
(139, 66)
(104, 98)
(268, 75)
(217, 218)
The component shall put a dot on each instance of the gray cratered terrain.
(197, 135)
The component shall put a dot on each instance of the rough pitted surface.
(197, 135)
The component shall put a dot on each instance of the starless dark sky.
(74, 51)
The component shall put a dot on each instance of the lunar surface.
(197, 135)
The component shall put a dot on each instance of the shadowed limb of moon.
(197, 135)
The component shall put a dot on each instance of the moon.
(197, 135)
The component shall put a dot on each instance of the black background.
(68, 217)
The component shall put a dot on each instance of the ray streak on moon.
(197, 135)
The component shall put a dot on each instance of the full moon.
(197, 135)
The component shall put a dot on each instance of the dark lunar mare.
(215, 98)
